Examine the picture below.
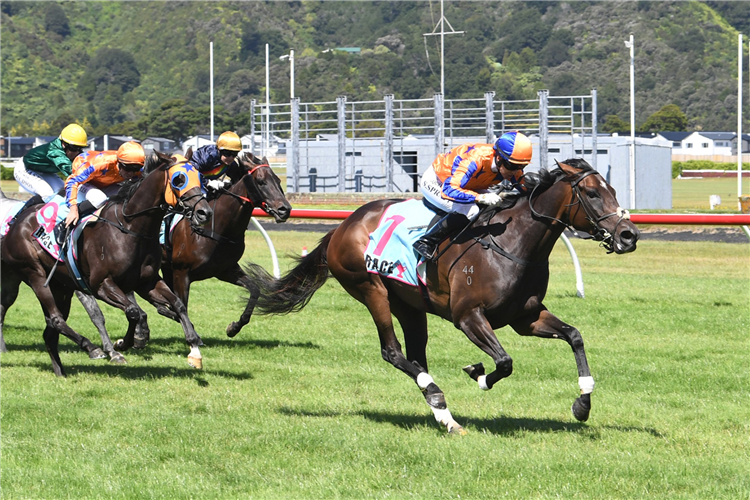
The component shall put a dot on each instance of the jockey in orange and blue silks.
(217, 162)
(461, 178)
(96, 176)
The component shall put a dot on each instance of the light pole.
(268, 106)
(442, 34)
(211, 80)
(631, 45)
(290, 55)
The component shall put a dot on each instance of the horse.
(9, 290)
(119, 254)
(199, 253)
(494, 273)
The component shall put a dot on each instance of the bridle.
(263, 205)
(598, 233)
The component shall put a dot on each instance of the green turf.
(695, 193)
(303, 406)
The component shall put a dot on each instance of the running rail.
(742, 220)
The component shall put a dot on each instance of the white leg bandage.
(423, 380)
(586, 384)
(482, 381)
(195, 353)
(442, 416)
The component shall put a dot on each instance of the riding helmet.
(229, 141)
(131, 153)
(514, 147)
(75, 135)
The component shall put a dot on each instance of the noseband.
(598, 233)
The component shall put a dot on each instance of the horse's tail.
(293, 291)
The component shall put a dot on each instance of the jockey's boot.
(84, 208)
(426, 246)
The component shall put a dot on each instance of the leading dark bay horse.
(119, 254)
(493, 274)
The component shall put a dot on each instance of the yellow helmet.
(229, 141)
(75, 135)
(131, 153)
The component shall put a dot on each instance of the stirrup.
(425, 250)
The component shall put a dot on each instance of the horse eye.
(593, 194)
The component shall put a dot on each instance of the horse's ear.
(189, 153)
(265, 161)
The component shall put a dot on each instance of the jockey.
(216, 160)
(37, 172)
(460, 179)
(96, 175)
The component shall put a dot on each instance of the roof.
(719, 136)
(674, 136)
(159, 139)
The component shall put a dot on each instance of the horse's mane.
(544, 179)
(538, 182)
(129, 188)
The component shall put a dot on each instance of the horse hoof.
(474, 371)
(120, 345)
(233, 329)
(456, 430)
(581, 410)
(196, 363)
(97, 354)
(118, 359)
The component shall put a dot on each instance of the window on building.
(704, 145)
(689, 145)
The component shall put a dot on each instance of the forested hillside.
(142, 68)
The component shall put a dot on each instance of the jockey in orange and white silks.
(96, 176)
(458, 180)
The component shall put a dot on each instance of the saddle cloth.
(165, 234)
(389, 252)
(9, 209)
(49, 216)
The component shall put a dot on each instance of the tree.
(613, 123)
(109, 67)
(55, 20)
(669, 118)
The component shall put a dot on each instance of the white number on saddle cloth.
(389, 251)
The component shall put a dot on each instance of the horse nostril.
(628, 237)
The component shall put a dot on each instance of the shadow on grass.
(499, 425)
(135, 373)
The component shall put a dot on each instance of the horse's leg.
(165, 300)
(546, 325)
(237, 277)
(10, 283)
(55, 302)
(375, 297)
(110, 293)
(142, 331)
(476, 327)
(97, 318)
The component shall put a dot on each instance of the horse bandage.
(623, 213)
(482, 381)
(586, 384)
(424, 379)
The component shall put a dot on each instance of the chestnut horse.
(495, 273)
(119, 254)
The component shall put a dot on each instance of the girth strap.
(490, 244)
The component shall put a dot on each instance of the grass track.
(302, 406)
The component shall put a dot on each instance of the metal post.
(341, 106)
(543, 127)
(211, 79)
(439, 124)
(739, 121)
(295, 145)
(594, 132)
(631, 45)
(253, 103)
(389, 164)
(489, 117)
(267, 143)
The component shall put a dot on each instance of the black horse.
(493, 274)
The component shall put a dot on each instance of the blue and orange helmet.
(515, 148)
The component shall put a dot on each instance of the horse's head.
(264, 187)
(183, 190)
(595, 210)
